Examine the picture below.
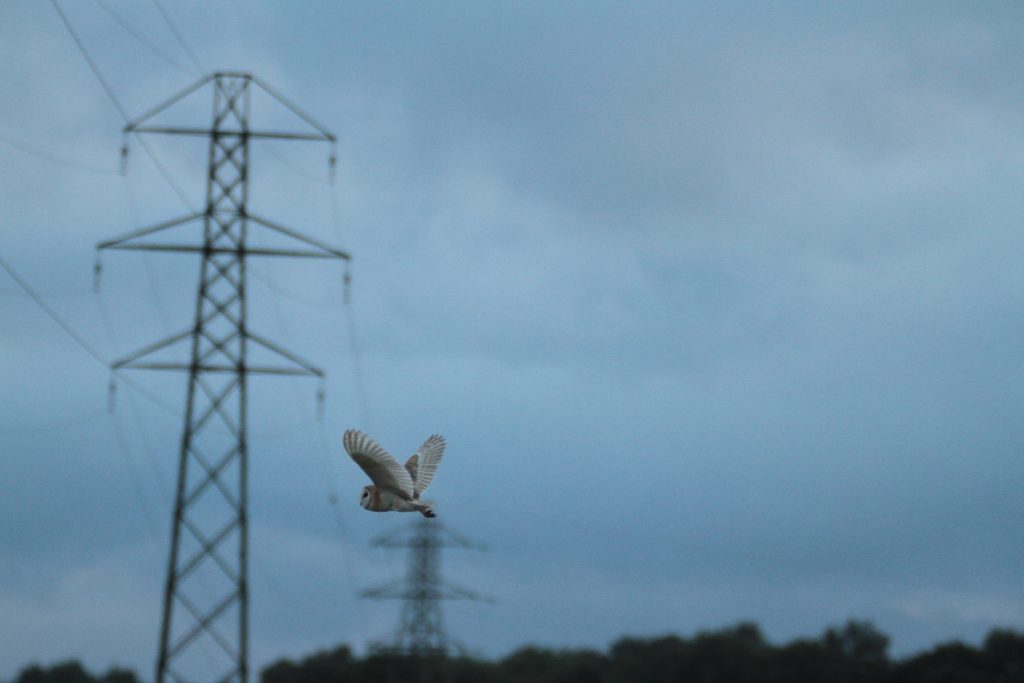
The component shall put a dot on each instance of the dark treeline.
(72, 672)
(854, 653)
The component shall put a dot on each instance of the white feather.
(386, 473)
(425, 461)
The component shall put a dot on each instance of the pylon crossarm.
(247, 251)
(308, 367)
(206, 132)
(132, 126)
(251, 369)
(293, 372)
(294, 234)
(324, 250)
(157, 366)
(385, 592)
(118, 242)
(324, 133)
(300, 253)
(127, 361)
(459, 593)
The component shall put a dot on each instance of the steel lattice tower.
(421, 631)
(204, 628)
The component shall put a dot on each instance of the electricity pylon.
(204, 631)
(421, 631)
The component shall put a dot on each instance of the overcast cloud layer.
(718, 308)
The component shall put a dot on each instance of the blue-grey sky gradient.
(718, 306)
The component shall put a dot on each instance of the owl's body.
(382, 500)
(395, 488)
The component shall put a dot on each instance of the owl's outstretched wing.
(423, 463)
(379, 465)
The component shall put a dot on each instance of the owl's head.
(366, 497)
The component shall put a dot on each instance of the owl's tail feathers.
(426, 509)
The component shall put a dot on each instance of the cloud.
(716, 307)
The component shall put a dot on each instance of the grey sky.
(718, 308)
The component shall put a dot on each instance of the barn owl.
(395, 487)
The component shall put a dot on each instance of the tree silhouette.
(855, 652)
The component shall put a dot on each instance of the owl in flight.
(395, 487)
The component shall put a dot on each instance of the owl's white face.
(364, 499)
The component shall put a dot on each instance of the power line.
(134, 33)
(323, 451)
(53, 158)
(92, 65)
(91, 350)
(302, 173)
(355, 348)
(133, 476)
(79, 339)
(321, 448)
(166, 174)
(140, 424)
(178, 36)
(86, 418)
(121, 110)
(25, 286)
(357, 367)
(299, 298)
(214, 542)
(133, 212)
(39, 428)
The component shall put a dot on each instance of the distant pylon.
(421, 631)
(204, 632)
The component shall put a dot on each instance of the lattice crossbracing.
(204, 629)
(421, 631)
